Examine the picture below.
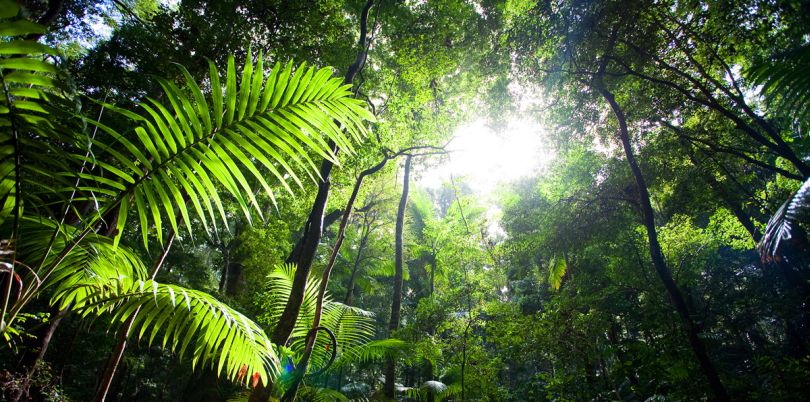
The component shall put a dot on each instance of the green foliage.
(186, 149)
(221, 337)
(784, 81)
(192, 144)
(792, 212)
(556, 272)
(31, 128)
(41, 379)
(558, 300)
(353, 327)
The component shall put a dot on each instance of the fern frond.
(795, 209)
(373, 351)
(217, 335)
(353, 327)
(437, 388)
(785, 81)
(317, 394)
(183, 150)
(31, 133)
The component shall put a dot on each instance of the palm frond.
(94, 260)
(182, 151)
(795, 209)
(353, 327)
(31, 131)
(785, 81)
(274, 300)
(372, 351)
(219, 336)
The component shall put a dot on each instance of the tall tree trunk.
(314, 227)
(235, 281)
(328, 220)
(226, 262)
(396, 303)
(657, 256)
(368, 222)
(327, 272)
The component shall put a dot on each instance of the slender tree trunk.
(314, 227)
(368, 222)
(328, 220)
(304, 253)
(432, 272)
(31, 358)
(226, 262)
(48, 335)
(356, 267)
(464, 356)
(396, 304)
(327, 272)
(657, 256)
(123, 334)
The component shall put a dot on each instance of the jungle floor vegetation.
(255, 200)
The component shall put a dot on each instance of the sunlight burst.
(486, 158)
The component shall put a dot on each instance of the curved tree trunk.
(657, 256)
(328, 220)
(302, 256)
(396, 304)
(327, 272)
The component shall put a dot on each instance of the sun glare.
(485, 158)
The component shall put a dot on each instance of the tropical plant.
(784, 81)
(780, 227)
(786, 85)
(438, 389)
(67, 194)
(352, 327)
